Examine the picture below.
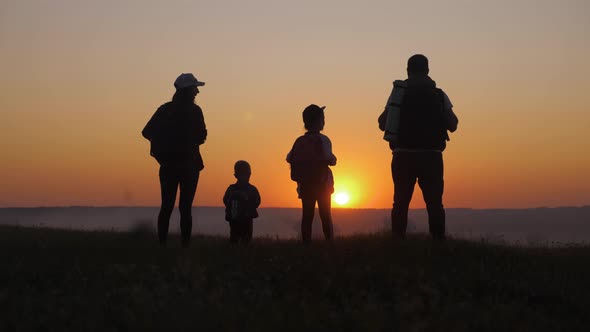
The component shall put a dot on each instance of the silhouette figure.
(241, 200)
(175, 132)
(310, 159)
(416, 119)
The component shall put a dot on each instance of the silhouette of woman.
(175, 132)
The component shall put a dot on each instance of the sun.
(341, 198)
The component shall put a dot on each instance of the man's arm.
(383, 117)
(382, 120)
(451, 119)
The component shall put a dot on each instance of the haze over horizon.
(551, 226)
(79, 80)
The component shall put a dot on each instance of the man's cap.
(185, 80)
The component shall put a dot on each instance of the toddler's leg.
(249, 229)
(234, 231)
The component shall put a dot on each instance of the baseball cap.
(311, 113)
(314, 108)
(185, 80)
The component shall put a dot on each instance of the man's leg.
(188, 188)
(168, 188)
(404, 180)
(431, 182)
(325, 206)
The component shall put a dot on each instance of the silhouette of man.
(175, 132)
(416, 119)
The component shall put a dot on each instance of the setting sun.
(341, 198)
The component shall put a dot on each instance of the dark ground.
(55, 280)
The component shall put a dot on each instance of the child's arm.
(253, 201)
(290, 154)
(226, 196)
(328, 154)
(255, 197)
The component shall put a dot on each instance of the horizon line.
(298, 208)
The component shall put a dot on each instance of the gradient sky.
(79, 80)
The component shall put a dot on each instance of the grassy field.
(55, 280)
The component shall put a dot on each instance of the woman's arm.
(150, 129)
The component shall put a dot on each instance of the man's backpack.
(422, 123)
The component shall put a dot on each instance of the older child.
(310, 159)
(241, 200)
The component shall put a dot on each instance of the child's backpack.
(306, 164)
(236, 208)
(239, 207)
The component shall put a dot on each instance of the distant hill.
(526, 226)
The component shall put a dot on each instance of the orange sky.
(78, 82)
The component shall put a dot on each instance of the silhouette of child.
(310, 159)
(241, 200)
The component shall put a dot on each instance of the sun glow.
(347, 192)
(341, 198)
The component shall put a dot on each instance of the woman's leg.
(168, 188)
(188, 188)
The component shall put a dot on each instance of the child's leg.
(325, 206)
(308, 206)
(234, 231)
(248, 230)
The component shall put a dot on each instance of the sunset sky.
(79, 80)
